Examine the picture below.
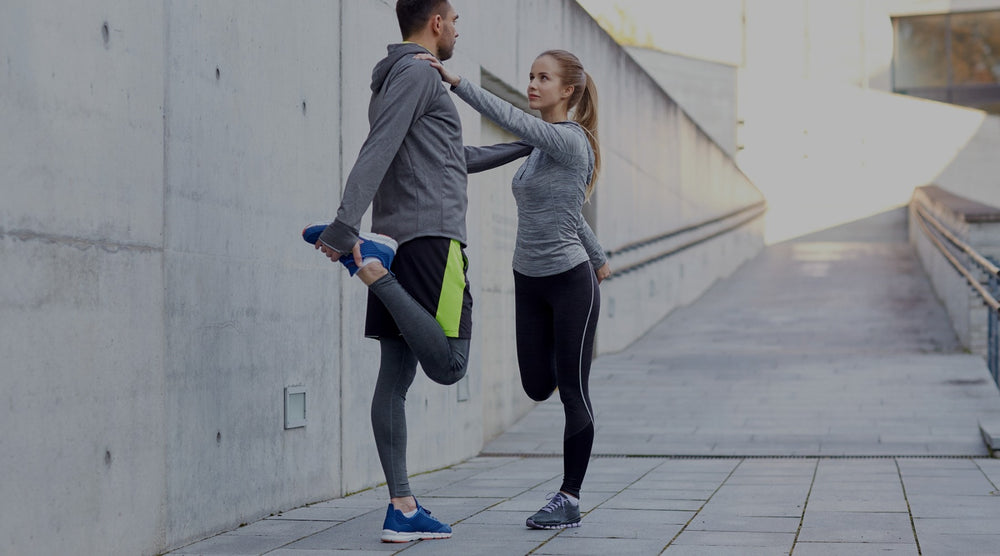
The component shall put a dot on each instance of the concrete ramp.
(814, 348)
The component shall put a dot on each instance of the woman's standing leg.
(577, 306)
(556, 321)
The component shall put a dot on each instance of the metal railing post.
(993, 357)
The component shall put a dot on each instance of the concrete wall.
(252, 113)
(973, 172)
(159, 160)
(83, 447)
(706, 90)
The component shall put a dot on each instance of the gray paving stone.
(752, 508)
(512, 530)
(452, 510)
(496, 517)
(283, 528)
(322, 513)
(498, 491)
(964, 544)
(853, 549)
(229, 544)
(466, 547)
(661, 532)
(605, 487)
(802, 481)
(734, 523)
(970, 483)
(769, 493)
(876, 499)
(991, 468)
(985, 525)
(692, 550)
(704, 482)
(631, 502)
(293, 552)
(934, 467)
(637, 517)
(775, 541)
(856, 527)
(599, 547)
(357, 534)
(953, 506)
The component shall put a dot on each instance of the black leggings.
(556, 317)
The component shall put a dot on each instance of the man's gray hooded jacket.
(412, 167)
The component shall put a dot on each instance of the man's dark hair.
(413, 14)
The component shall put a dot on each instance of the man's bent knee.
(448, 376)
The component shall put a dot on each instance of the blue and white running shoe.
(399, 528)
(374, 247)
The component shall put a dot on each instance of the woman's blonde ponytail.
(583, 103)
(585, 114)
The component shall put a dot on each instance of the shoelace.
(555, 501)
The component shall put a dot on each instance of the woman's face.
(545, 87)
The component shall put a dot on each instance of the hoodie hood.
(395, 52)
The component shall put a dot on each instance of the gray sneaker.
(559, 513)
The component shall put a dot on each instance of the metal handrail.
(683, 230)
(979, 259)
(993, 275)
(618, 272)
(923, 220)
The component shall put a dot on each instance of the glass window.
(949, 57)
(921, 52)
(975, 47)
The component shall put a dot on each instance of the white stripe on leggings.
(583, 342)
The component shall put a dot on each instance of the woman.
(557, 260)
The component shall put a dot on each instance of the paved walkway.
(815, 403)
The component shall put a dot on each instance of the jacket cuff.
(598, 261)
(339, 236)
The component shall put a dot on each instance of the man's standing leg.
(398, 367)
(405, 519)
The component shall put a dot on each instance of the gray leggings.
(443, 359)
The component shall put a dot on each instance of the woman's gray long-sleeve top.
(549, 188)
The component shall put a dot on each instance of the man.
(412, 171)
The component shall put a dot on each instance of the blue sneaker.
(374, 247)
(312, 231)
(399, 528)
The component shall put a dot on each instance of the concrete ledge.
(990, 429)
(967, 210)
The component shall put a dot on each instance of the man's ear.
(437, 23)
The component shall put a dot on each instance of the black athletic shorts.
(434, 271)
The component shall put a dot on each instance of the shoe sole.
(534, 525)
(388, 535)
